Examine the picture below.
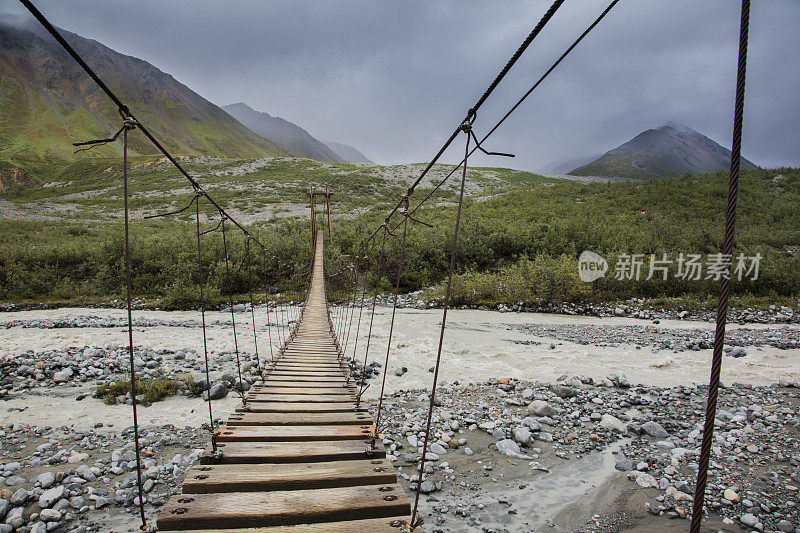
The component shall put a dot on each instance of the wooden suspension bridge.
(297, 456)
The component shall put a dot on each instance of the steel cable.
(391, 322)
(724, 291)
(240, 387)
(445, 305)
(126, 126)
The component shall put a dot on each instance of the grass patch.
(151, 390)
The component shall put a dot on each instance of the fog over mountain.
(394, 78)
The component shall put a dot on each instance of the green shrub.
(150, 390)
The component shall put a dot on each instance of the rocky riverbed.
(544, 422)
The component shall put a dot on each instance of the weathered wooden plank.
(304, 391)
(206, 479)
(297, 407)
(254, 509)
(292, 452)
(334, 383)
(315, 398)
(299, 419)
(313, 369)
(375, 525)
(293, 433)
(302, 373)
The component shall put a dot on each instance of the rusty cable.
(445, 305)
(725, 282)
(240, 388)
(129, 124)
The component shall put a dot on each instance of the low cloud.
(394, 78)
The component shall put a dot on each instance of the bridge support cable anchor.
(466, 128)
(404, 212)
(725, 282)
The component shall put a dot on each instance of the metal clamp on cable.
(130, 123)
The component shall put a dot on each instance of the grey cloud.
(394, 78)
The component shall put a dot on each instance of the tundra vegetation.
(520, 239)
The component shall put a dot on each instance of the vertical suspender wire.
(445, 305)
(279, 322)
(361, 307)
(129, 125)
(269, 326)
(352, 308)
(253, 308)
(345, 310)
(378, 274)
(240, 388)
(391, 323)
(724, 291)
(203, 320)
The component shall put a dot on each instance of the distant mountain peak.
(348, 153)
(677, 126)
(282, 132)
(671, 150)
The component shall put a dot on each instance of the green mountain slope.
(47, 102)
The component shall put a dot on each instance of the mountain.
(671, 150)
(282, 132)
(47, 102)
(348, 153)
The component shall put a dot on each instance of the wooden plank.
(255, 509)
(375, 525)
(297, 407)
(303, 373)
(317, 398)
(304, 391)
(293, 433)
(311, 369)
(292, 452)
(267, 477)
(333, 384)
(306, 382)
(299, 419)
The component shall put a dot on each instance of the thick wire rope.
(516, 105)
(445, 305)
(725, 282)
(474, 109)
(129, 124)
(240, 388)
(391, 324)
(126, 112)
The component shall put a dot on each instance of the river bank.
(542, 416)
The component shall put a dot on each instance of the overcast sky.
(394, 78)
